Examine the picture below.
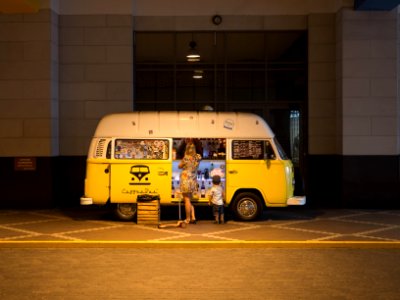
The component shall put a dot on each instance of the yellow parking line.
(200, 244)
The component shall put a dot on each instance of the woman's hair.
(189, 146)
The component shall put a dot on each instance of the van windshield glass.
(141, 149)
(281, 152)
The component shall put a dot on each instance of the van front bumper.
(296, 200)
(86, 201)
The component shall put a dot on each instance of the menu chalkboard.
(247, 149)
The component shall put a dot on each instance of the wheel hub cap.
(247, 208)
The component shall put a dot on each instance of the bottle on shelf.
(203, 190)
(210, 184)
(206, 174)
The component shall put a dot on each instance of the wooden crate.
(148, 212)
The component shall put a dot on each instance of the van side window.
(208, 148)
(248, 149)
(180, 146)
(108, 153)
(141, 149)
(270, 151)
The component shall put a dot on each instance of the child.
(216, 198)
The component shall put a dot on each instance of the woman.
(188, 182)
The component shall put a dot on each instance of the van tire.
(125, 211)
(247, 206)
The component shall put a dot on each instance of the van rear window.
(141, 149)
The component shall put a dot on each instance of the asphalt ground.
(283, 227)
(225, 273)
(84, 253)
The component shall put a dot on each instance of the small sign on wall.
(25, 164)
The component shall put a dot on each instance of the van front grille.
(100, 148)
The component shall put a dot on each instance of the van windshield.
(281, 152)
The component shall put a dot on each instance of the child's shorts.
(218, 209)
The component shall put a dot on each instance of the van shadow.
(169, 213)
(105, 213)
(203, 213)
(290, 214)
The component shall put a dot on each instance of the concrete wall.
(369, 79)
(29, 84)
(354, 109)
(323, 118)
(70, 64)
(196, 8)
(95, 75)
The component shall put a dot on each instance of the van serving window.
(248, 149)
(141, 149)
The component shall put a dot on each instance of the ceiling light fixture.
(193, 55)
(197, 74)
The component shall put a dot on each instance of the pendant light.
(193, 55)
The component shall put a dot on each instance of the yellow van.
(138, 153)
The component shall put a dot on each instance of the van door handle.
(233, 172)
(162, 173)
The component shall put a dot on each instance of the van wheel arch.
(125, 211)
(247, 204)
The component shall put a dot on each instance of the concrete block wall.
(229, 22)
(369, 55)
(95, 75)
(29, 84)
(323, 119)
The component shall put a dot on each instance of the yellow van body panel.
(272, 178)
(289, 176)
(97, 182)
(135, 177)
(266, 176)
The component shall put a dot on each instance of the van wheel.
(247, 206)
(125, 211)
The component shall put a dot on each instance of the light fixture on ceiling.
(197, 74)
(193, 55)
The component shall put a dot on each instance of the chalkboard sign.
(247, 149)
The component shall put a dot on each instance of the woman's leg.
(188, 207)
(192, 214)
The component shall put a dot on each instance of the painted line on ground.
(201, 244)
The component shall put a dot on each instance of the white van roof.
(180, 124)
